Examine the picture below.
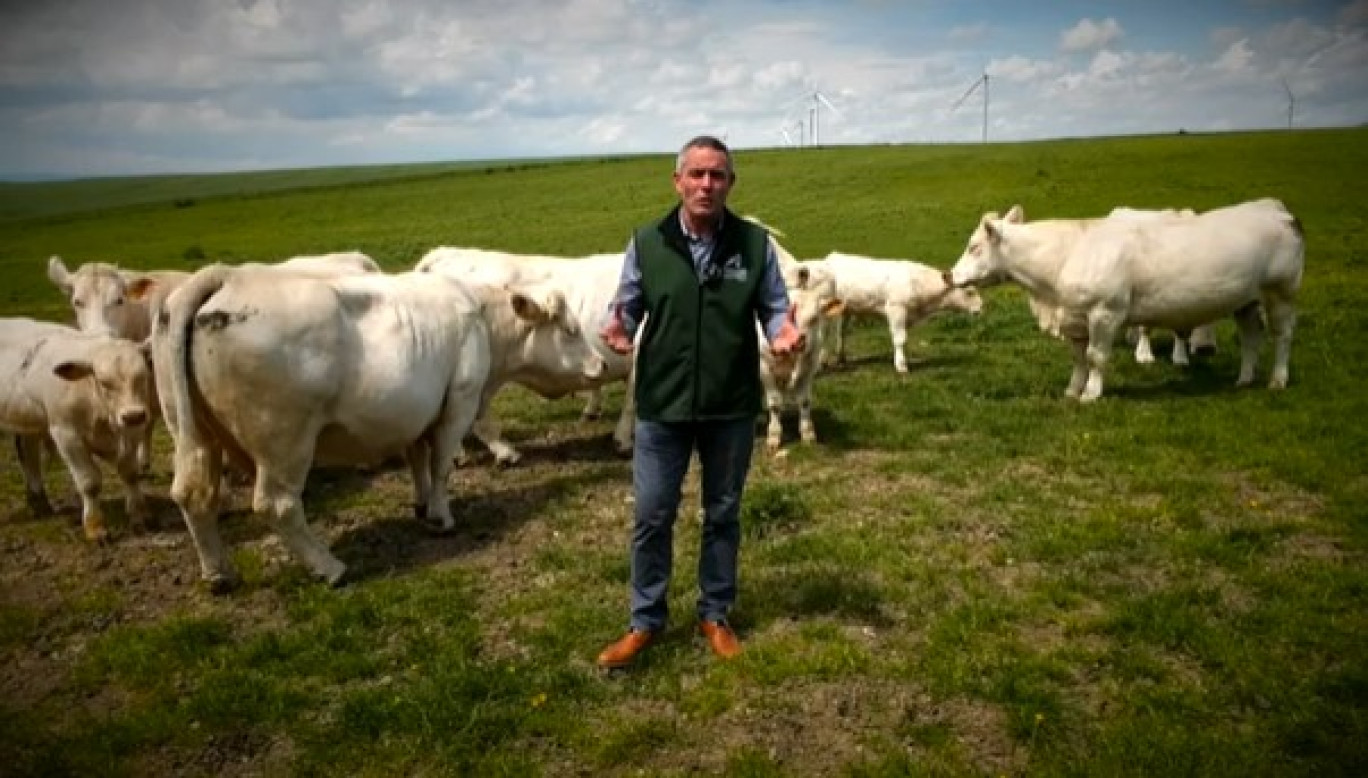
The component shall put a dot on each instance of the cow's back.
(367, 357)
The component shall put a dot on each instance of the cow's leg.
(419, 458)
(29, 450)
(1251, 326)
(774, 433)
(1079, 378)
(626, 424)
(1180, 349)
(277, 495)
(1203, 341)
(487, 429)
(463, 404)
(128, 465)
(85, 473)
(1102, 327)
(195, 488)
(593, 405)
(1282, 319)
(897, 330)
(1144, 353)
(807, 433)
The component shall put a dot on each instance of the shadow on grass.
(1200, 379)
(392, 543)
(799, 593)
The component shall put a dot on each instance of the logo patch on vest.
(733, 270)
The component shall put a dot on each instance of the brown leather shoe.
(721, 638)
(622, 652)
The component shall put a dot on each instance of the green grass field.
(968, 575)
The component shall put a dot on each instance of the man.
(700, 277)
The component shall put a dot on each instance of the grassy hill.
(969, 574)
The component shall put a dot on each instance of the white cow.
(1201, 340)
(788, 379)
(587, 285)
(89, 395)
(904, 292)
(282, 371)
(1173, 273)
(111, 300)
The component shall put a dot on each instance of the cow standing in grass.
(89, 395)
(904, 292)
(114, 301)
(280, 371)
(1174, 273)
(787, 378)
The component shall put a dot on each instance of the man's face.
(703, 183)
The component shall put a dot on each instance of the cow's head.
(120, 375)
(982, 262)
(551, 340)
(106, 300)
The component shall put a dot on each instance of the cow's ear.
(526, 308)
(57, 273)
(1015, 215)
(73, 370)
(804, 276)
(833, 308)
(138, 286)
(993, 232)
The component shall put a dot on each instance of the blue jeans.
(659, 462)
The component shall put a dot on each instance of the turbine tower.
(816, 100)
(983, 82)
(1291, 103)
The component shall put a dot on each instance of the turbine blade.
(828, 104)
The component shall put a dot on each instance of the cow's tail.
(178, 318)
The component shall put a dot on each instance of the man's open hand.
(614, 333)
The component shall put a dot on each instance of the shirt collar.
(717, 229)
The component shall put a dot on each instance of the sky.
(120, 87)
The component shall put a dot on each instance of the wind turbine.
(1291, 103)
(816, 100)
(980, 81)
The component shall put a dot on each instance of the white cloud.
(1237, 58)
(287, 83)
(1088, 35)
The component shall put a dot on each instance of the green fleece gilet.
(699, 357)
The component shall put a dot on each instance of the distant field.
(968, 575)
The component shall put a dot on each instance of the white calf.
(89, 395)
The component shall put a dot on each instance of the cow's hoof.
(508, 460)
(591, 415)
(97, 535)
(38, 504)
(219, 585)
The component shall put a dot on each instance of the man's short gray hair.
(704, 142)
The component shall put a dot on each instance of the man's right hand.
(614, 334)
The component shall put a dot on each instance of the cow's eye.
(118, 301)
(78, 303)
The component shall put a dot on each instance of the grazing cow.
(280, 371)
(812, 299)
(586, 285)
(903, 291)
(1174, 273)
(89, 395)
